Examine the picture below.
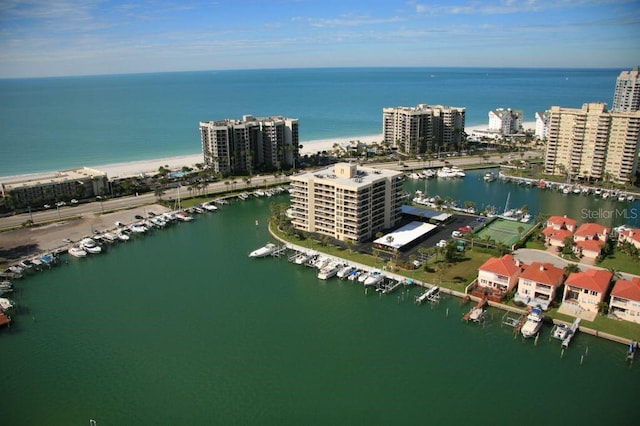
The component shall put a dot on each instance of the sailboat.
(508, 214)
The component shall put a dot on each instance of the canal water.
(181, 327)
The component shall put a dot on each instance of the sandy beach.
(135, 168)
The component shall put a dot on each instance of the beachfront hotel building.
(505, 121)
(627, 95)
(415, 130)
(243, 146)
(62, 186)
(346, 202)
(593, 143)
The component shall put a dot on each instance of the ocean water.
(181, 327)
(58, 123)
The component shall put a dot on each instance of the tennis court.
(504, 231)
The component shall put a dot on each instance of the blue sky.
(79, 37)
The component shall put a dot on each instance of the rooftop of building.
(545, 273)
(405, 235)
(592, 279)
(348, 174)
(627, 289)
(57, 177)
(505, 265)
(591, 229)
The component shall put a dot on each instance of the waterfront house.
(585, 290)
(625, 300)
(632, 236)
(497, 276)
(558, 229)
(589, 239)
(538, 283)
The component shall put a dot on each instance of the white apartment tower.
(542, 125)
(415, 130)
(346, 202)
(242, 146)
(593, 143)
(627, 95)
(506, 121)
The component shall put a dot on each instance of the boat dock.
(572, 332)
(476, 314)
(432, 295)
(513, 321)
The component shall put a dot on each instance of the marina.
(318, 320)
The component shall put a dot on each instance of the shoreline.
(141, 167)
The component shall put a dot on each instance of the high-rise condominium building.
(592, 143)
(415, 130)
(627, 95)
(542, 125)
(242, 146)
(346, 202)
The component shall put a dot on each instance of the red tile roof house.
(538, 283)
(589, 239)
(587, 289)
(496, 277)
(558, 229)
(625, 300)
(630, 235)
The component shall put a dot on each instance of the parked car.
(456, 234)
(47, 206)
(441, 243)
(74, 201)
(138, 217)
(60, 204)
(465, 229)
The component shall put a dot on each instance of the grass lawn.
(621, 262)
(455, 276)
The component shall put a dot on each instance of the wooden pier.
(476, 314)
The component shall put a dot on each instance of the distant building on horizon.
(627, 95)
(253, 143)
(346, 202)
(423, 128)
(593, 143)
(506, 121)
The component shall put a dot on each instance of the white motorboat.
(329, 270)
(457, 172)
(353, 276)
(301, 258)
(108, 236)
(77, 252)
(209, 207)
(533, 323)
(16, 269)
(138, 229)
(445, 172)
(489, 177)
(123, 237)
(363, 276)
(344, 272)
(561, 331)
(264, 251)
(90, 246)
(5, 304)
(183, 216)
(477, 314)
(373, 279)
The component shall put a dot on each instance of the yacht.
(77, 252)
(108, 236)
(533, 323)
(489, 177)
(445, 172)
(5, 304)
(373, 279)
(344, 272)
(354, 275)
(90, 246)
(330, 270)
(301, 258)
(457, 172)
(561, 331)
(209, 207)
(123, 237)
(138, 229)
(264, 251)
(184, 216)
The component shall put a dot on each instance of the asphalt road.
(97, 207)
